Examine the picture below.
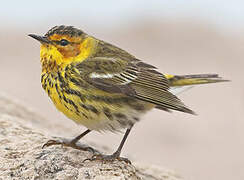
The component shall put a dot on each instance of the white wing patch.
(105, 76)
(122, 78)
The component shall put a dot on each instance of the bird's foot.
(69, 143)
(108, 158)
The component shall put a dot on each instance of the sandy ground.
(208, 146)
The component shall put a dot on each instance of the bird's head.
(64, 44)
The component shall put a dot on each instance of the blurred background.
(179, 37)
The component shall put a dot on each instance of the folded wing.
(132, 78)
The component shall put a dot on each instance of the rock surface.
(22, 156)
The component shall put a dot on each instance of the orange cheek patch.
(70, 51)
(58, 37)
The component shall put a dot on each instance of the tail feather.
(185, 80)
(181, 83)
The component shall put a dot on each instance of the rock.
(22, 156)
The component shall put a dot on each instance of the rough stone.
(22, 156)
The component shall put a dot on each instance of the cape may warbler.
(103, 87)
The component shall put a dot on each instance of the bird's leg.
(116, 154)
(71, 143)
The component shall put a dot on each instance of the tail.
(180, 83)
(186, 80)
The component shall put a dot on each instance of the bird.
(103, 87)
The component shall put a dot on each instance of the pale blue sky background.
(224, 13)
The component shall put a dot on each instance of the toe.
(50, 143)
(107, 158)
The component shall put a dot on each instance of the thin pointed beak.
(41, 39)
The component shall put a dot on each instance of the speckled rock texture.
(22, 156)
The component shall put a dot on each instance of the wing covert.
(132, 78)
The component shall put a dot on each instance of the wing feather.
(132, 78)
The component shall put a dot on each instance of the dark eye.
(64, 42)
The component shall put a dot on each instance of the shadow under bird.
(103, 87)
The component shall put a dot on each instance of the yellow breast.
(93, 108)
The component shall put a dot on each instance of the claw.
(50, 143)
(69, 144)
